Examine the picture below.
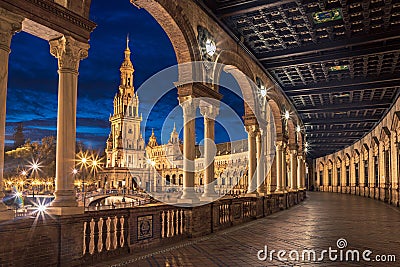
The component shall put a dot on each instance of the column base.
(65, 211)
(6, 215)
(279, 191)
(64, 198)
(188, 193)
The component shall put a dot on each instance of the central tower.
(125, 144)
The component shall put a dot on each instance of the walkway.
(315, 224)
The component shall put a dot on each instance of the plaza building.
(126, 165)
(230, 164)
(130, 164)
(319, 80)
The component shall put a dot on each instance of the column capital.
(189, 106)
(209, 111)
(252, 130)
(69, 52)
(10, 23)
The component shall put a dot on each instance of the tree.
(19, 139)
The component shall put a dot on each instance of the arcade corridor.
(316, 224)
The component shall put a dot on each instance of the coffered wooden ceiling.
(337, 60)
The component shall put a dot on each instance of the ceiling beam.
(345, 107)
(315, 49)
(348, 85)
(336, 132)
(243, 7)
(334, 140)
(334, 55)
(330, 145)
(333, 121)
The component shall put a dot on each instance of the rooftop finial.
(127, 41)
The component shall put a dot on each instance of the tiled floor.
(315, 224)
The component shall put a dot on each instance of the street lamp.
(34, 167)
(84, 162)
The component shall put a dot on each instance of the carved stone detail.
(69, 52)
(10, 23)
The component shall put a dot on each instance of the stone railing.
(97, 236)
(104, 234)
(172, 222)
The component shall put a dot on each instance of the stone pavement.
(315, 224)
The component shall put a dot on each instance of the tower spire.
(127, 42)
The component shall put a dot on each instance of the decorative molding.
(10, 23)
(69, 52)
(144, 227)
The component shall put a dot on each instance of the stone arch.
(385, 137)
(246, 86)
(347, 158)
(396, 125)
(292, 133)
(276, 113)
(364, 151)
(374, 145)
(170, 16)
(330, 164)
(338, 160)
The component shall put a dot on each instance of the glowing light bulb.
(287, 115)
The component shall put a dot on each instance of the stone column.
(279, 163)
(260, 162)
(284, 167)
(69, 52)
(9, 25)
(293, 169)
(300, 175)
(209, 113)
(252, 132)
(189, 142)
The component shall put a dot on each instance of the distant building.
(125, 148)
(129, 162)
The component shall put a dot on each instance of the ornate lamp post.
(35, 167)
(84, 162)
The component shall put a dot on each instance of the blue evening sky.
(33, 78)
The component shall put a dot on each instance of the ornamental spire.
(127, 42)
(126, 68)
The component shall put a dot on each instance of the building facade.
(125, 148)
